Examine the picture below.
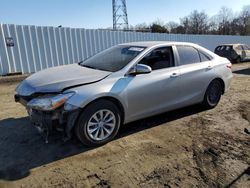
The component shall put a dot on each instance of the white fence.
(29, 49)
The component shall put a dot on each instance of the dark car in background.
(235, 53)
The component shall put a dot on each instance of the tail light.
(229, 65)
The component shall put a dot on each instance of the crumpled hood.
(58, 78)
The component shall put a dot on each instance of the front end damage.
(47, 121)
(46, 95)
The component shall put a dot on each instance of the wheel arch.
(221, 82)
(114, 100)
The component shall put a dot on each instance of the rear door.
(195, 73)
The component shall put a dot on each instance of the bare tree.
(224, 23)
(213, 25)
(244, 20)
(185, 23)
(224, 19)
(157, 28)
(143, 27)
(196, 23)
(171, 26)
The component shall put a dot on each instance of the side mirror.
(140, 69)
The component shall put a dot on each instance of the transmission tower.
(120, 16)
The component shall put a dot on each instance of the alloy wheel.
(101, 125)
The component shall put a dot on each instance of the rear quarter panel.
(222, 71)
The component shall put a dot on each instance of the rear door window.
(204, 57)
(188, 55)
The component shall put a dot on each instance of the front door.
(152, 93)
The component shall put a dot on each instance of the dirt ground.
(191, 147)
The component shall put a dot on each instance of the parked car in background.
(236, 53)
(122, 84)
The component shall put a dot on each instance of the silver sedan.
(122, 84)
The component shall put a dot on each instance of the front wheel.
(213, 94)
(99, 123)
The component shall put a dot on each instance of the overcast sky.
(98, 13)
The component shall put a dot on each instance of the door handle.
(209, 67)
(174, 75)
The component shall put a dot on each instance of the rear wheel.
(98, 123)
(213, 94)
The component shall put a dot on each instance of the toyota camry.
(93, 98)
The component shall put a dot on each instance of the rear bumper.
(228, 81)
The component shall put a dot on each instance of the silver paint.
(139, 95)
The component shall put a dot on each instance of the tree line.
(225, 22)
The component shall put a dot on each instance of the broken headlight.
(49, 102)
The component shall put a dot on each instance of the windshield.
(113, 59)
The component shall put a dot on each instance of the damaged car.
(127, 82)
(235, 53)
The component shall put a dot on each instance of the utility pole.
(120, 16)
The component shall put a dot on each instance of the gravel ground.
(190, 147)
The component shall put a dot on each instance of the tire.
(93, 119)
(213, 94)
(238, 59)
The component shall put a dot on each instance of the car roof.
(156, 43)
(149, 44)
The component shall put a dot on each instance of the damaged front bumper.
(47, 121)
